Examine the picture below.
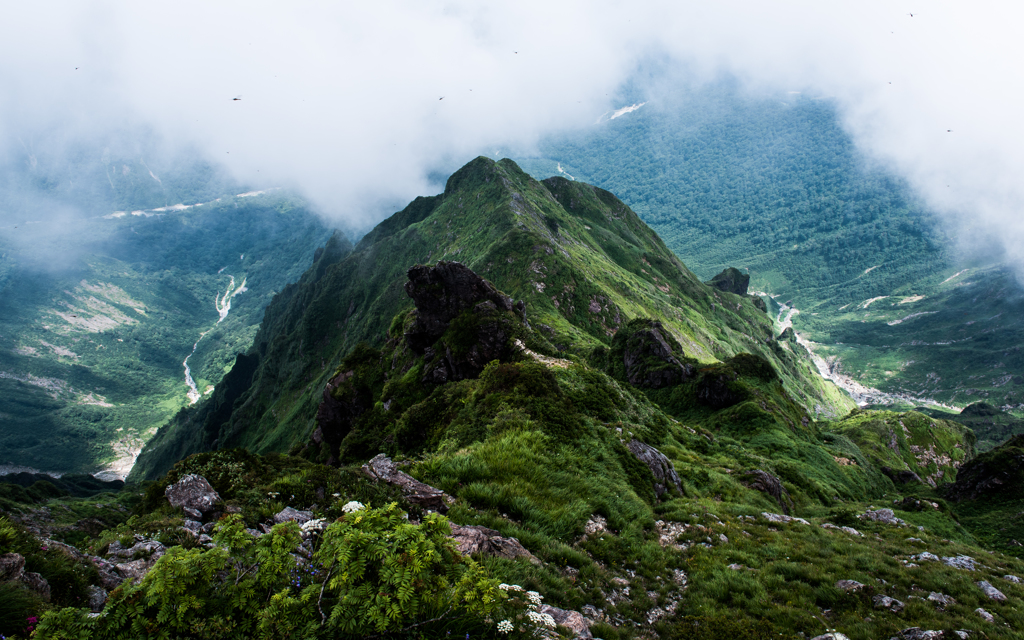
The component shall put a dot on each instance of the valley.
(777, 189)
(99, 319)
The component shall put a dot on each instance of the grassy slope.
(778, 188)
(583, 262)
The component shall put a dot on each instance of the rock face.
(448, 292)
(665, 475)
(339, 407)
(572, 620)
(732, 280)
(715, 390)
(12, 568)
(996, 473)
(192, 494)
(649, 359)
(382, 469)
(476, 539)
(767, 483)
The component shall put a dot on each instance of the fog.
(360, 105)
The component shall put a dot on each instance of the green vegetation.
(91, 346)
(582, 262)
(775, 187)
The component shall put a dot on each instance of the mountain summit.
(579, 259)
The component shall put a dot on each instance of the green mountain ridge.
(775, 186)
(583, 263)
(603, 432)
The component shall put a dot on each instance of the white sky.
(343, 99)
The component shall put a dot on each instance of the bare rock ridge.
(382, 469)
(649, 359)
(731, 280)
(443, 294)
(460, 323)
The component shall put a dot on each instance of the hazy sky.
(344, 100)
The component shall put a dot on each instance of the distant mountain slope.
(99, 307)
(776, 187)
(580, 259)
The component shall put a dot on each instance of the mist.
(361, 106)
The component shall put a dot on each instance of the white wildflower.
(509, 587)
(353, 506)
(314, 525)
(534, 597)
(505, 626)
(336, 495)
(541, 619)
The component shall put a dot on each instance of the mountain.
(853, 259)
(110, 277)
(580, 260)
(510, 411)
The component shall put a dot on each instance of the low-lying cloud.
(359, 104)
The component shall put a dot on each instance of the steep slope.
(582, 262)
(775, 186)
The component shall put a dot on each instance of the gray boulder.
(885, 516)
(97, 598)
(36, 583)
(476, 539)
(985, 615)
(850, 586)
(832, 635)
(289, 514)
(12, 566)
(193, 493)
(941, 599)
(885, 602)
(917, 633)
(572, 620)
(664, 473)
(990, 591)
(382, 469)
(960, 562)
(765, 482)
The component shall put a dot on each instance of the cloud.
(358, 104)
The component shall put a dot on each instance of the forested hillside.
(112, 271)
(775, 186)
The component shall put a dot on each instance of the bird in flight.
(441, 98)
(238, 98)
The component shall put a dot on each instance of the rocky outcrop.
(288, 514)
(887, 602)
(765, 482)
(473, 539)
(990, 591)
(12, 569)
(572, 620)
(649, 356)
(731, 280)
(665, 475)
(193, 495)
(449, 292)
(715, 389)
(996, 473)
(885, 516)
(382, 469)
(341, 404)
(441, 293)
